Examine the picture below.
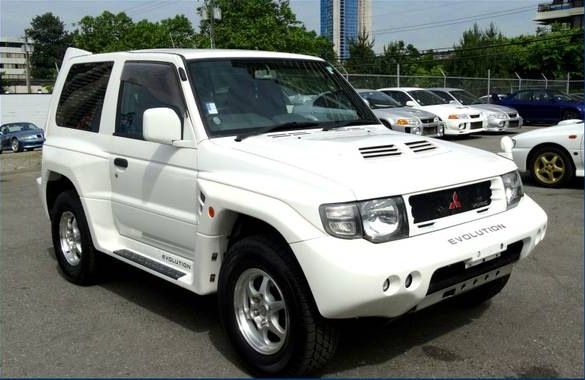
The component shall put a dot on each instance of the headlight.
(507, 144)
(436, 120)
(407, 122)
(377, 220)
(513, 188)
(458, 116)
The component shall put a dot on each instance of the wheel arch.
(538, 147)
(57, 183)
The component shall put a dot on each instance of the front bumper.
(464, 126)
(500, 125)
(29, 144)
(347, 277)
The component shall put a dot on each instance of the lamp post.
(211, 12)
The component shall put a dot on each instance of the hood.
(495, 108)
(443, 109)
(403, 112)
(374, 161)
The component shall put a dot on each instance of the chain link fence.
(479, 86)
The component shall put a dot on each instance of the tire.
(570, 114)
(69, 228)
(308, 340)
(551, 166)
(16, 146)
(482, 294)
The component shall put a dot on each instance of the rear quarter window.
(82, 97)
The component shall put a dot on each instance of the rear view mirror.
(161, 125)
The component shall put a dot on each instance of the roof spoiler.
(74, 52)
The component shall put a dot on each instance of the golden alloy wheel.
(549, 167)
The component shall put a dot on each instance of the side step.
(150, 264)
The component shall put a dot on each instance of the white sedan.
(553, 155)
(458, 120)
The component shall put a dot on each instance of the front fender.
(229, 201)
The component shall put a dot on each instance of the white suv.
(265, 178)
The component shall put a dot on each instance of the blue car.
(20, 136)
(544, 105)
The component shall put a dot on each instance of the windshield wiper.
(347, 123)
(279, 127)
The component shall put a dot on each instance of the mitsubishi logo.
(455, 202)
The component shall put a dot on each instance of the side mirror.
(367, 102)
(161, 125)
(453, 102)
(410, 103)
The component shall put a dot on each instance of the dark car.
(20, 136)
(544, 105)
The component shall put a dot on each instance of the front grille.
(474, 116)
(428, 121)
(443, 203)
(476, 125)
(452, 274)
(513, 123)
(379, 151)
(513, 115)
(429, 131)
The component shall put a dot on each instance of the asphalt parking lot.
(133, 324)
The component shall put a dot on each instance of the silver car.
(500, 118)
(402, 119)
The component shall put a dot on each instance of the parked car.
(402, 119)
(294, 214)
(21, 136)
(577, 96)
(458, 120)
(544, 105)
(552, 156)
(489, 99)
(499, 118)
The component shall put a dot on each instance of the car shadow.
(576, 184)
(363, 341)
(460, 137)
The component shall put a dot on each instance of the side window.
(82, 97)
(540, 95)
(443, 95)
(523, 95)
(146, 85)
(400, 97)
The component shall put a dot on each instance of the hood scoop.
(379, 151)
(420, 146)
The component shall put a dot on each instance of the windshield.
(426, 98)
(557, 95)
(20, 127)
(465, 97)
(242, 96)
(378, 99)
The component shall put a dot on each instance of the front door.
(153, 185)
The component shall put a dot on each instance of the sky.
(427, 24)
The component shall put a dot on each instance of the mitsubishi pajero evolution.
(265, 178)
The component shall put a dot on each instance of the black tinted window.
(82, 97)
(523, 95)
(146, 85)
(442, 95)
(399, 96)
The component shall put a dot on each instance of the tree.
(113, 32)
(104, 33)
(50, 42)
(362, 58)
(262, 25)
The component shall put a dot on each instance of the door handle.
(121, 162)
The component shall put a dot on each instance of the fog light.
(408, 281)
(386, 285)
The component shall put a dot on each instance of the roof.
(445, 88)
(401, 88)
(214, 53)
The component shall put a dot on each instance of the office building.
(343, 20)
(568, 12)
